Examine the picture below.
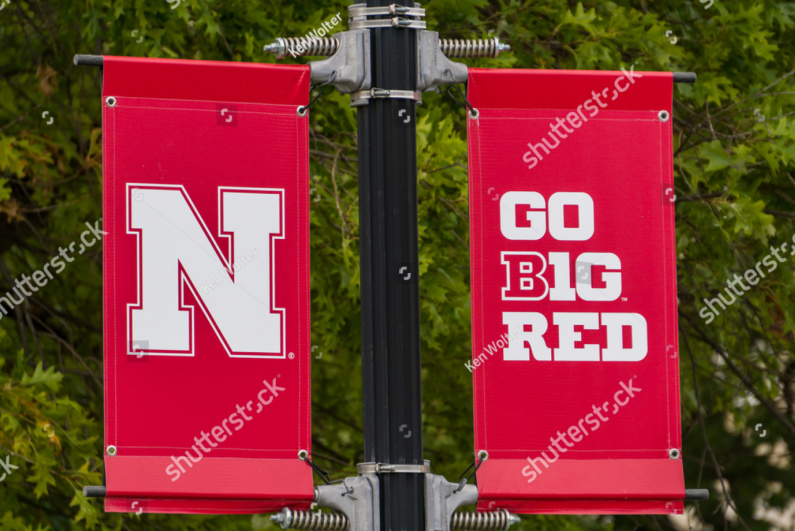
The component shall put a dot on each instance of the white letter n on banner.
(176, 251)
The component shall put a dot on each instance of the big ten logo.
(525, 216)
(533, 276)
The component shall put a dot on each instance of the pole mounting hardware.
(358, 17)
(394, 22)
(383, 468)
(361, 97)
(361, 10)
(348, 54)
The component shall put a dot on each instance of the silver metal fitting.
(442, 500)
(362, 97)
(349, 67)
(467, 521)
(383, 468)
(361, 11)
(433, 67)
(290, 519)
(327, 46)
(455, 48)
(300, 46)
(358, 17)
(357, 498)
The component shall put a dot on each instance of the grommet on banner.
(303, 455)
(303, 109)
(110, 101)
(111, 450)
(674, 453)
(473, 112)
(483, 455)
(663, 116)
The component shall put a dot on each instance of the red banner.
(574, 323)
(206, 294)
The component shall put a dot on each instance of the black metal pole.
(389, 277)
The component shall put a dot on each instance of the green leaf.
(48, 378)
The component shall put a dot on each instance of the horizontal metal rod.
(696, 494)
(690, 494)
(94, 492)
(97, 60)
(684, 77)
(88, 60)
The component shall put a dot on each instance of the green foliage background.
(735, 155)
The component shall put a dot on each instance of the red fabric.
(181, 79)
(621, 157)
(167, 130)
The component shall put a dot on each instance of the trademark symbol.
(625, 299)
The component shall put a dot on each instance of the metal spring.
(493, 520)
(472, 47)
(320, 46)
(327, 46)
(318, 521)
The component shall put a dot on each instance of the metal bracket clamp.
(361, 10)
(442, 499)
(350, 63)
(394, 22)
(358, 13)
(362, 506)
(362, 97)
(383, 468)
(433, 66)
